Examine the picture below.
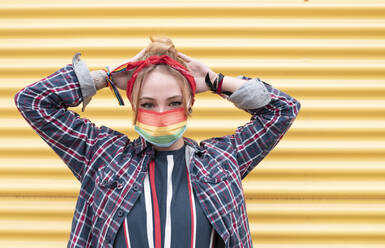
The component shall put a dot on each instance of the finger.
(184, 57)
(141, 53)
(112, 68)
(135, 58)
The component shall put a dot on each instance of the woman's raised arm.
(272, 110)
(44, 105)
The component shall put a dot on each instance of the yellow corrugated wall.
(322, 186)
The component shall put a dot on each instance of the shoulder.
(110, 135)
(110, 145)
(220, 148)
(217, 154)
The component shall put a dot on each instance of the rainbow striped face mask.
(161, 128)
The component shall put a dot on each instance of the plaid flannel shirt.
(111, 168)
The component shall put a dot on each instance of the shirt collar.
(140, 144)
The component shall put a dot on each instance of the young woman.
(161, 189)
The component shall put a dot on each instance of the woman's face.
(160, 92)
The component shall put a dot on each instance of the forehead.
(160, 84)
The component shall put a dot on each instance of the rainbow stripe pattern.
(112, 86)
(161, 128)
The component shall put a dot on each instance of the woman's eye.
(176, 104)
(146, 105)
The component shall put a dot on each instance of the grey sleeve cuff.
(87, 85)
(251, 95)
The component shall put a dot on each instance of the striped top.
(167, 214)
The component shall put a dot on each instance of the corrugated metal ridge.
(190, 27)
(161, 10)
(230, 48)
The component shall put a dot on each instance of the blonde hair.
(160, 46)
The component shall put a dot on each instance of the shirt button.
(120, 213)
(199, 153)
(113, 185)
(120, 186)
(136, 187)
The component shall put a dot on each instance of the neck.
(178, 144)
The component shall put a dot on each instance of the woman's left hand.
(199, 71)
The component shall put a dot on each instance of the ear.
(189, 104)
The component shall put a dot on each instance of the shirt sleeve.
(87, 85)
(44, 104)
(272, 113)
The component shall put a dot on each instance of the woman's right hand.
(199, 71)
(120, 78)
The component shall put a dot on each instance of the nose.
(161, 108)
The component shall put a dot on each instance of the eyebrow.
(149, 98)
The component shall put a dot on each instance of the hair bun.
(160, 46)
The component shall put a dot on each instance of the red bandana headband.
(137, 66)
